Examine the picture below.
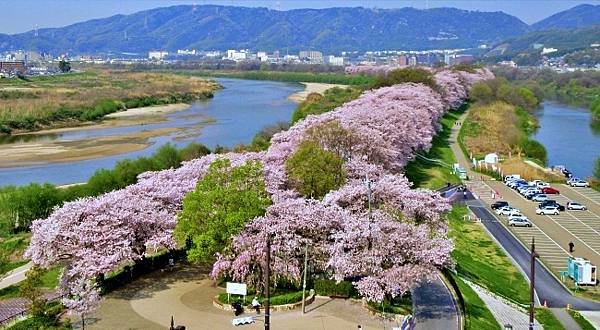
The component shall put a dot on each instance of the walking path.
(149, 302)
(503, 312)
(566, 319)
(434, 307)
(14, 276)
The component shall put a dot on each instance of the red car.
(550, 191)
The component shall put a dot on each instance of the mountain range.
(328, 30)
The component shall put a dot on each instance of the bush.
(407, 75)
(276, 299)
(331, 288)
(332, 98)
(534, 149)
(595, 109)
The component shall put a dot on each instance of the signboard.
(236, 288)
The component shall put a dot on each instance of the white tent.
(491, 158)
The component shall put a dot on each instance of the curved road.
(434, 307)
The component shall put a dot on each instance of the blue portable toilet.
(581, 271)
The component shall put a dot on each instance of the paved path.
(434, 307)
(503, 312)
(149, 302)
(567, 321)
(14, 276)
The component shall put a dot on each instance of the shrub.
(595, 109)
(331, 288)
(535, 150)
(406, 75)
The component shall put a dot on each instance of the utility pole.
(532, 286)
(304, 281)
(267, 285)
(370, 202)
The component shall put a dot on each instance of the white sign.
(236, 288)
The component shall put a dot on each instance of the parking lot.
(552, 233)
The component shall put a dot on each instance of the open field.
(70, 99)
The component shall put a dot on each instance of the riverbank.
(310, 88)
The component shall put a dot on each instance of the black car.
(498, 204)
(567, 173)
(552, 202)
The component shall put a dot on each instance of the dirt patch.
(149, 111)
(312, 88)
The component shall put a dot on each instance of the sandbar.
(312, 88)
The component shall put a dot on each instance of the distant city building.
(291, 58)
(548, 50)
(508, 63)
(186, 52)
(311, 56)
(537, 46)
(262, 56)
(213, 53)
(453, 59)
(335, 60)
(412, 61)
(402, 60)
(157, 55)
(596, 45)
(237, 55)
(12, 66)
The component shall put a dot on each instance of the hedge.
(343, 289)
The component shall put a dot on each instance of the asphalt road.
(434, 307)
(548, 288)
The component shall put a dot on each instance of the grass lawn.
(11, 251)
(478, 317)
(583, 323)
(427, 174)
(49, 281)
(547, 319)
(480, 260)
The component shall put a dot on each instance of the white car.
(539, 183)
(506, 210)
(515, 214)
(578, 183)
(539, 198)
(576, 206)
(547, 210)
(519, 222)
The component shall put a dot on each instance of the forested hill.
(576, 17)
(225, 27)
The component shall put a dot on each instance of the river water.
(569, 137)
(236, 114)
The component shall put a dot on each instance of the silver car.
(519, 222)
(576, 206)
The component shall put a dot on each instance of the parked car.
(551, 202)
(547, 210)
(519, 222)
(576, 206)
(507, 210)
(515, 214)
(521, 189)
(539, 183)
(579, 183)
(550, 191)
(530, 193)
(512, 177)
(567, 173)
(515, 183)
(539, 198)
(498, 204)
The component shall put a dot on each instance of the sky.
(24, 15)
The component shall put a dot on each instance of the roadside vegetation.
(547, 319)
(477, 315)
(433, 169)
(66, 100)
(583, 323)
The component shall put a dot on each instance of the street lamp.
(532, 288)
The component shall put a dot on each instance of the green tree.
(399, 76)
(597, 168)
(64, 66)
(223, 201)
(314, 171)
(595, 109)
(481, 92)
(167, 156)
(30, 289)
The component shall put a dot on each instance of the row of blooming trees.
(387, 248)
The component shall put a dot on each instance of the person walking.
(571, 247)
(256, 305)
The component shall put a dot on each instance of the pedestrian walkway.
(14, 276)
(565, 319)
(503, 313)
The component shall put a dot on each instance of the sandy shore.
(24, 154)
(149, 111)
(312, 88)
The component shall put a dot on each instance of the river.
(236, 114)
(568, 137)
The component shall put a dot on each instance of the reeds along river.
(236, 114)
(569, 136)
